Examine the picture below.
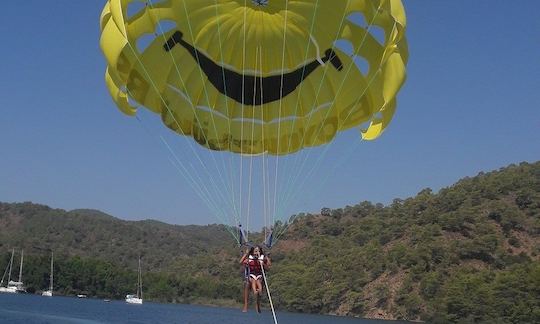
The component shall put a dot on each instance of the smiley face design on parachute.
(250, 89)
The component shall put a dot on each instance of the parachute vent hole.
(362, 64)
(358, 19)
(144, 41)
(378, 33)
(135, 8)
(165, 26)
(260, 3)
(345, 46)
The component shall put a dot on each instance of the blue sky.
(471, 103)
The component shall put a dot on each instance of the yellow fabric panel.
(120, 97)
(307, 97)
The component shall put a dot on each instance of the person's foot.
(244, 310)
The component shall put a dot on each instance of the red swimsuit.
(255, 267)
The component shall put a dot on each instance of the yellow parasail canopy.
(256, 76)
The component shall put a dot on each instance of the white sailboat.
(15, 286)
(136, 299)
(49, 293)
(8, 288)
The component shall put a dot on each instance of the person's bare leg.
(246, 296)
(259, 292)
(253, 285)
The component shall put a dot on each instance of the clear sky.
(471, 103)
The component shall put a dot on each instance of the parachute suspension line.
(319, 185)
(248, 215)
(265, 162)
(196, 186)
(181, 168)
(201, 74)
(276, 174)
(296, 172)
(354, 147)
(232, 201)
(217, 211)
(290, 168)
(242, 130)
(249, 188)
(265, 166)
(263, 157)
(321, 156)
(168, 109)
(237, 214)
(268, 293)
(150, 79)
(339, 89)
(341, 86)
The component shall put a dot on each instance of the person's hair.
(252, 250)
(260, 249)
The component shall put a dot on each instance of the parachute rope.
(268, 293)
(299, 170)
(206, 95)
(221, 177)
(276, 174)
(196, 186)
(295, 170)
(166, 105)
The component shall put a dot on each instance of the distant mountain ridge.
(468, 253)
(92, 233)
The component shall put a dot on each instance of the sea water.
(28, 309)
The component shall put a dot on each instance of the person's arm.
(243, 259)
(267, 262)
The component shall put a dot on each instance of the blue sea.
(30, 309)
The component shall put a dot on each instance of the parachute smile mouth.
(252, 90)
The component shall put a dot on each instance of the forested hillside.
(91, 233)
(469, 253)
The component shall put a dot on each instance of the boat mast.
(52, 274)
(11, 265)
(20, 270)
(139, 279)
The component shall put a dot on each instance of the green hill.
(91, 233)
(469, 253)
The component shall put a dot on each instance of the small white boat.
(136, 299)
(81, 296)
(8, 288)
(133, 299)
(13, 286)
(18, 286)
(11, 290)
(49, 293)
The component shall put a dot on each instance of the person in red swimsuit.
(254, 261)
